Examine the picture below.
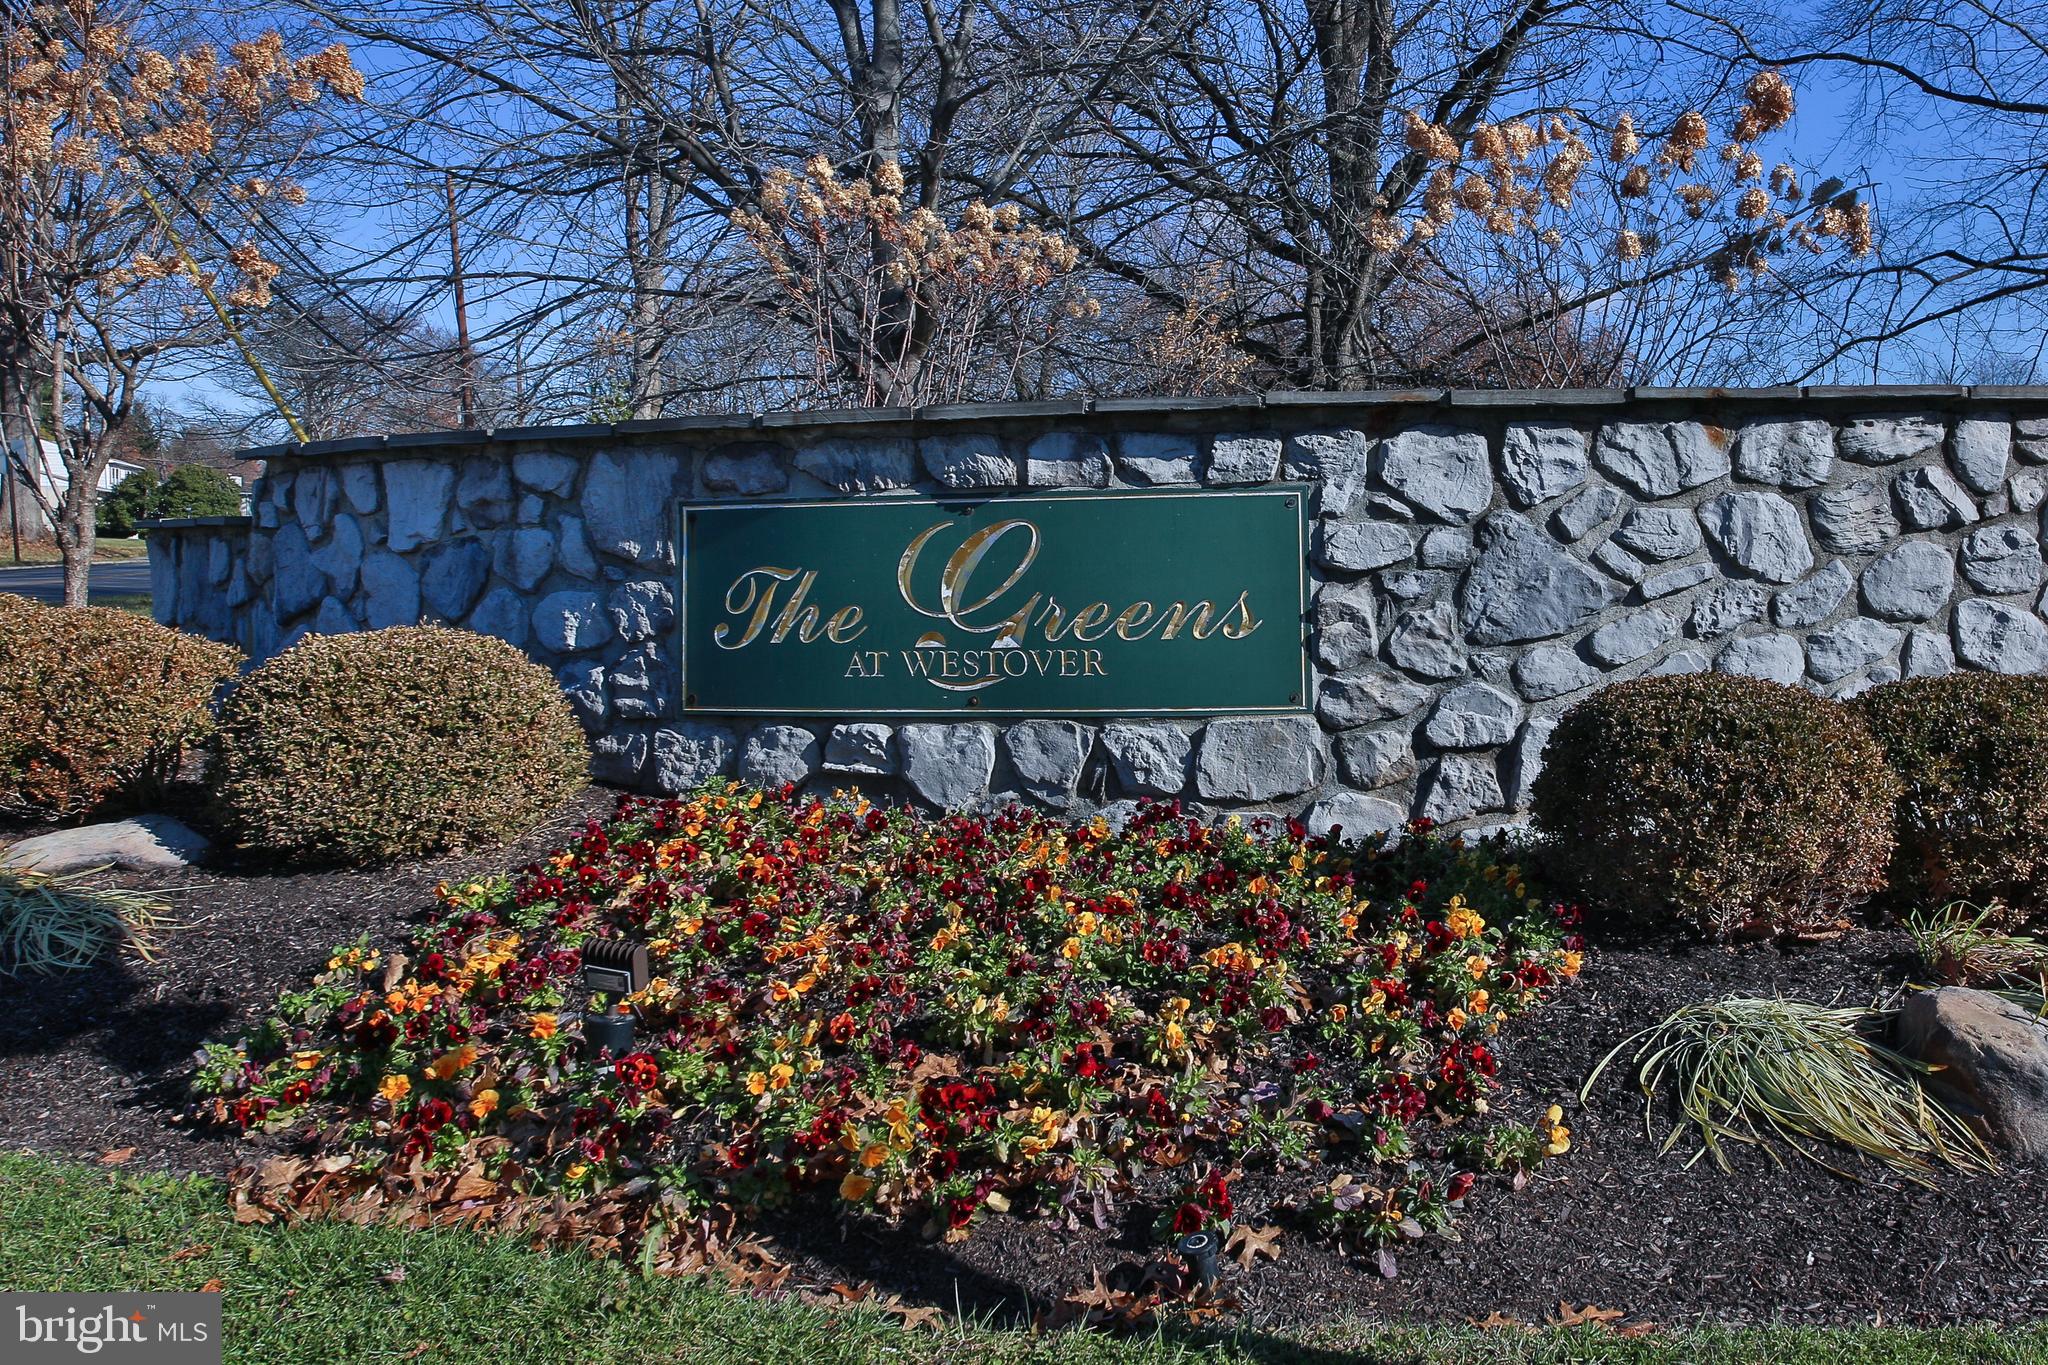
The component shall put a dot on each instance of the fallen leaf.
(1568, 1316)
(392, 1275)
(196, 1250)
(1496, 1321)
(118, 1156)
(1247, 1244)
(212, 1287)
(416, 1352)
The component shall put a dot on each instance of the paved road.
(45, 582)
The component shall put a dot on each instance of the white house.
(20, 513)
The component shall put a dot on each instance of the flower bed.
(928, 1017)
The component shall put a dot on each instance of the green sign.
(1130, 603)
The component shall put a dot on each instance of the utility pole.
(467, 399)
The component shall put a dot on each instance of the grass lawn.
(45, 552)
(328, 1292)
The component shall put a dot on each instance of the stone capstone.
(1258, 759)
(1048, 756)
(1524, 587)
(948, 766)
(1150, 759)
(778, 755)
(1910, 583)
(1541, 461)
(1445, 473)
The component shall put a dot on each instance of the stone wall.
(1480, 561)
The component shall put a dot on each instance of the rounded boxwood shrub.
(97, 705)
(1725, 805)
(1971, 753)
(394, 743)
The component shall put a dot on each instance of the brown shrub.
(1726, 805)
(394, 743)
(97, 705)
(1971, 753)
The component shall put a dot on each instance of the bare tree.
(127, 173)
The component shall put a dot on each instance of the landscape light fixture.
(1199, 1250)
(611, 966)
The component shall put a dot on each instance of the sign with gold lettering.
(1125, 603)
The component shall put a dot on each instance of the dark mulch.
(96, 1063)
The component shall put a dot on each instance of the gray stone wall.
(1480, 561)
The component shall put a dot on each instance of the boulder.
(1992, 1062)
(1258, 759)
(1243, 459)
(1443, 472)
(146, 843)
(1158, 457)
(1354, 815)
(1761, 532)
(778, 755)
(1066, 459)
(1048, 756)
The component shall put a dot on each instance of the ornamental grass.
(1745, 1070)
(921, 1018)
(57, 922)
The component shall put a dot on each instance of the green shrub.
(192, 490)
(97, 704)
(1723, 804)
(394, 743)
(1971, 753)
